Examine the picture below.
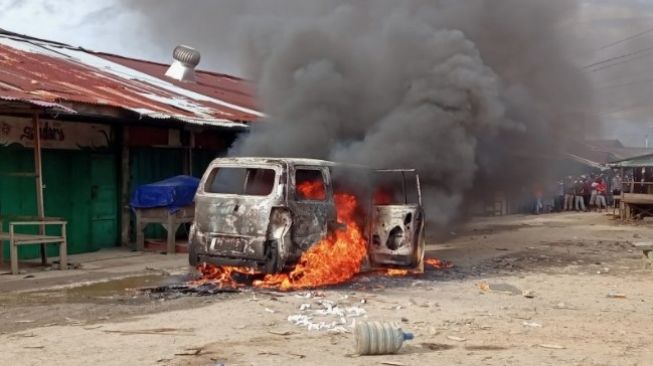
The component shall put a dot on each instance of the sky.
(623, 85)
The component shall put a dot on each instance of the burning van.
(265, 213)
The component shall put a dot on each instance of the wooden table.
(16, 239)
(162, 216)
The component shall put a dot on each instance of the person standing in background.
(560, 196)
(569, 194)
(579, 201)
(601, 190)
(587, 191)
(616, 190)
(538, 194)
(593, 184)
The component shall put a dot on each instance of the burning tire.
(193, 258)
(273, 264)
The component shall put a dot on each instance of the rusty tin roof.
(58, 76)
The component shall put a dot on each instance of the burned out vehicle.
(251, 212)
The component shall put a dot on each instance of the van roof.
(268, 160)
(300, 161)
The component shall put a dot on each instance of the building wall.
(83, 173)
(80, 186)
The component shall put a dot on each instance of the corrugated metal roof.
(636, 162)
(603, 151)
(53, 75)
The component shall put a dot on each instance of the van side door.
(310, 198)
(397, 221)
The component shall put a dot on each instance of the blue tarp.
(173, 193)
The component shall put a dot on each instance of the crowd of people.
(584, 193)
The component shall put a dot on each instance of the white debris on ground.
(326, 315)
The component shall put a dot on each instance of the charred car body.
(249, 212)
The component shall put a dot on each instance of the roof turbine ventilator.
(183, 67)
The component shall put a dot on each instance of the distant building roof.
(605, 144)
(635, 162)
(57, 76)
(601, 152)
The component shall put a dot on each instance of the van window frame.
(325, 182)
(278, 170)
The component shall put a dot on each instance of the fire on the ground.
(301, 223)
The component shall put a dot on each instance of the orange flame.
(313, 190)
(394, 272)
(223, 276)
(335, 259)
(438, 264)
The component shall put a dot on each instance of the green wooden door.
(104, 202)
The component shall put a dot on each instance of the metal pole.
(125, 222)
(38, 171)
(190, 153)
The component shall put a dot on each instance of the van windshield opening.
(247, 181)
(395, 188)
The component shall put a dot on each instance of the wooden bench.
(162, 216)
(17, 239)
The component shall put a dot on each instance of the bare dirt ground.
(562, 289)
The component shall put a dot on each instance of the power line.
(607, 60)
(637, 35)
(619, 63)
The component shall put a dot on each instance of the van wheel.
(273, 264)
(193, 259)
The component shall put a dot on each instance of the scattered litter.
(190, 352)
(28, 276)
(307, 321)
(286, 333)
(457, 339)
(327, 315)
(24, 321)
(436, 346)
(551, 346)
(532, 324)
(157, 331)
(393, 363)
(613, 295)
(270, 310)
(93, 327)
(500, 288)
(377, 338)
(529, 294)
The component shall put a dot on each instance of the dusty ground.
(589, 303)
